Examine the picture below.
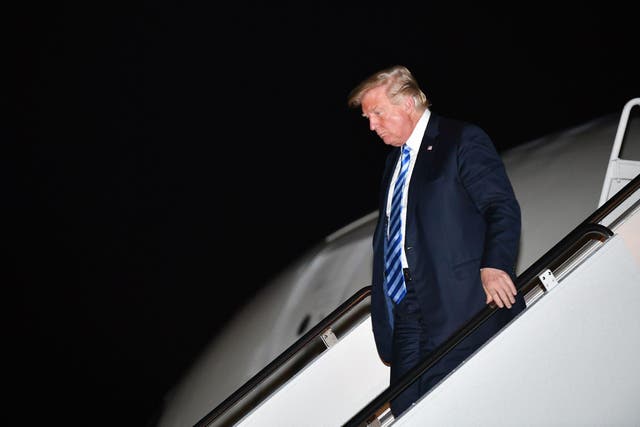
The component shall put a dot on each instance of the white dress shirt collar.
(415, 139)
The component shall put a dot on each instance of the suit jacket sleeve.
(484, 177)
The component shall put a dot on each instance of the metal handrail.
(611, 204)
(617, 144)
(279, 361)
(524, 283)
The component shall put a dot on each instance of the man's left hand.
(498, 286)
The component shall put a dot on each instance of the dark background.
(172, 157)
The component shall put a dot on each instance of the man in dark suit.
(455, 221)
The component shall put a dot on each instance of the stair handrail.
(615, 150)
(287, 354)
(611, 204)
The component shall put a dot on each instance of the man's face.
(392, 122)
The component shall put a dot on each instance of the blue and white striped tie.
(396, 287)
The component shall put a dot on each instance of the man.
(447, 244)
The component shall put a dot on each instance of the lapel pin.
(429, 148)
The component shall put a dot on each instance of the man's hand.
(498, 286)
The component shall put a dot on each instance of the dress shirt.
(414, 141)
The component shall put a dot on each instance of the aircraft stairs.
(568, 359)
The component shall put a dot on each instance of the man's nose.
(372, 124)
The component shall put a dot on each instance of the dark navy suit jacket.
(462, 215)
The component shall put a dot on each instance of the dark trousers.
(409, 348)
(411, 345)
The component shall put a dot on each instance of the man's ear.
(408, 104)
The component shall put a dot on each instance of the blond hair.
(399, 82)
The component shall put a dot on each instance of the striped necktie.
(396, 288)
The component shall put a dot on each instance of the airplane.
(559, 180)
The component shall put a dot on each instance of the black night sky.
(168, 158)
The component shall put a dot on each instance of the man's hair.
(399, 82)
